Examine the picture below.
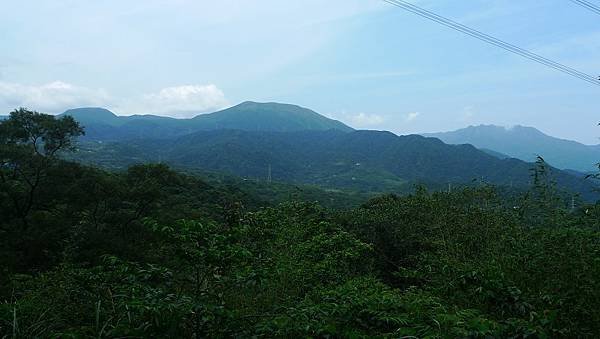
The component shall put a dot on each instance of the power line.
(588, 5)
(493, 41)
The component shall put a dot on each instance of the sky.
(364, 62)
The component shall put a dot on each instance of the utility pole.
(572, 203)
(269, 175)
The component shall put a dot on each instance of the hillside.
(526, 143)
(362, 160)
(152, 252)
(94, 116)
(275, 117)
(494, 153)
(102, 124)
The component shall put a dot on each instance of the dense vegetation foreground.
(153, 253)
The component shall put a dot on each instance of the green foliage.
(363, 161)
(29, 144)
(469, 250)
(543, 203)
(41, 133)
(365, 307)
(149, 252)
(51, 209)
(116, 299)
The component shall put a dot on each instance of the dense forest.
(148, 251)
(301, 147)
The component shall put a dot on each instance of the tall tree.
(30, 143)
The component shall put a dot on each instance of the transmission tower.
(269, 175)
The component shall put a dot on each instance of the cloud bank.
(58, 96)
(363, 120)
(181, 101)
(412, 116)
(53, 97)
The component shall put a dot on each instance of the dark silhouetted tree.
(29, 145)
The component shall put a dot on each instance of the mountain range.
(102, 124)
(526, 143)
(293, 144)
(359, 160)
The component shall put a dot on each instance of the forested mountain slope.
(147, 252)
(104, 125)
(526, 143)
(363, 160)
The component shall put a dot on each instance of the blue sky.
(364, 62)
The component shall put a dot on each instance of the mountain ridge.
(375, 161)
(302, 147)
(102, 124)
(526, 143)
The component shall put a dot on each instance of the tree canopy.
(152, 252)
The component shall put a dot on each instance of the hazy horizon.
(193, 114)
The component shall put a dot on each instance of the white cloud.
(366, 120)
(179, 101)
(58, 96)
(412, 116)
(467, 114)
(53, 97)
